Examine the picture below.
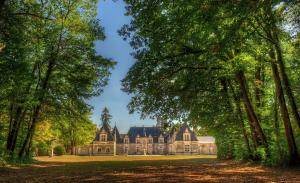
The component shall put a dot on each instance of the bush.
(2, 162)
(59, 150)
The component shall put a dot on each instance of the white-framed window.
(186, 137)
(150, 140)
(187, 148)
(103, 138)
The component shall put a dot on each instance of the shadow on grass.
(179, 170)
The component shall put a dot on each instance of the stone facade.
(148, 141)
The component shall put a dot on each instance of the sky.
(111, 15)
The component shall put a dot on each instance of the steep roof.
(106, 128)
(97, 138)
(118, 136)
(133, 132)
(182, 129)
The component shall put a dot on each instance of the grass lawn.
(144, 169)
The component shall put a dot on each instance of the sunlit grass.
(202, 168)
(72, 158)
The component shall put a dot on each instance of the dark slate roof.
(118, 136)
(133, 132)
(106, 128)
(97, 138)
(179, 135)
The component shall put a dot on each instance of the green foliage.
(105, 116)
(49, 68)
(213, 70)
(59, 150)
(42, 150)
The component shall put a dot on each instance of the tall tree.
(105, 116)
(49, 48)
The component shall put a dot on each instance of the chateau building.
(148, 141)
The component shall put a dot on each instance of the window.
(138, 141)
(107, 150)
(126, 149)
(99, 150)
(150, 141)
(103, 137)
(126, 140)
(137, 149)
(161, 140)
(186, 148)
(186, 137)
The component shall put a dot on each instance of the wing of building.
(147, 141)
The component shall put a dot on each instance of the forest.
(229, 68)
(48, 70)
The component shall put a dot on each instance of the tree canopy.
(224, 66)
(48, 70)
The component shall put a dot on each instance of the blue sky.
(112, 18)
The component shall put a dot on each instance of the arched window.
(99, 150)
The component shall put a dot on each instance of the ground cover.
(144, 169)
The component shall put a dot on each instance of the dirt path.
(145, 169)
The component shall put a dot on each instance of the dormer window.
(126, 140)
(103, 137)
(186, 137)
(161, 139)
(138, 139)
(150, 140)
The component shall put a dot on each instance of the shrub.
(59, 150)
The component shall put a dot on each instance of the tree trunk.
(259, 137)
(243, 127)
(12, 136)
(286, 83)
(17, 119)
(37, 109)
(11, 111)
(284, 114)
(272, 32)
(240, 117)
(30, 131)
(258, 82)
(277, 127)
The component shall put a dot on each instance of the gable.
(185, 129)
